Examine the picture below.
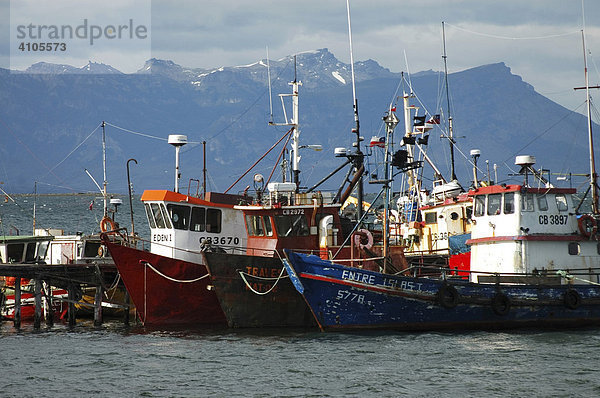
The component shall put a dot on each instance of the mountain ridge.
(47, 115)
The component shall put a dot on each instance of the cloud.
(208, 34)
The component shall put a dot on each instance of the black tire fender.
(447, 296)
(572, 299)
(500, 304)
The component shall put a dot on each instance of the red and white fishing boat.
(169, 284)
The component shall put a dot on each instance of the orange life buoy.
(587, 225)
(107, 224)
(363, 234)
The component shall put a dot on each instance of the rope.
(570, 277)
(258, 277)
(173, 279)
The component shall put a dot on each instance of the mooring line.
(242, 275)
(173, 279)
(569, 277)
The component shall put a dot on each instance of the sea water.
(113, 360)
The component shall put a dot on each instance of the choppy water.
(114, 360)
(117, 361)
(70, 213)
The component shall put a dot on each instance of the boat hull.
(344, 298)
(256, 292)
(167, 291)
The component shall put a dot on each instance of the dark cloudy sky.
(539, 39)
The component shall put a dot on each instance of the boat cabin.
(181, 225)
(21, 249)
(519, 229)
(292, 220)
(78, 248)
(429, 231)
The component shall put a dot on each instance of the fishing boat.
(49, 247)
(169, 284)
(239, 239)
(430, 223)
(534, 262)
(21, 249)
(253, 288)
(433, 222)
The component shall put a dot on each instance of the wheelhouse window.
(166, 216)
(42, 249)
(268, 227)
(180, 216)
(158, 215)
(479, 205)
(431, 217)
(291, 225)
(542, 203)
(30, 252)
(90, 249)
(149, 215)
(561, 202)
(509, 203)
(198, 220)
(254, 225)
(494, 201)
(213, 220)
(14, 252)
(527, 202)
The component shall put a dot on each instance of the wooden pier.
(73, 278)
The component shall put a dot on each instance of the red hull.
(161, 290)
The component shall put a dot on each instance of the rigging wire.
(546, 131)
(514, 38)
(247, 109)
(29, 150)
(143, 134)
(73, 151)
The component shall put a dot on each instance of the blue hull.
(342, 297)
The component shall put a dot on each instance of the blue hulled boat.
(345, 298)
(534, 262)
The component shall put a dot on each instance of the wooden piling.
(75, 276)
(49, 315)
(71, 305)
(17, 316)
(98, 306)
(37, 315)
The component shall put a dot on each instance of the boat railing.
(590, 275)
(121, 237)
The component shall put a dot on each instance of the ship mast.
(593, 176)
(294, 122)
(450, 130)
(104, 192)
(358, 158)
(296, 132)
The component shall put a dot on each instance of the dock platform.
(71, 277)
